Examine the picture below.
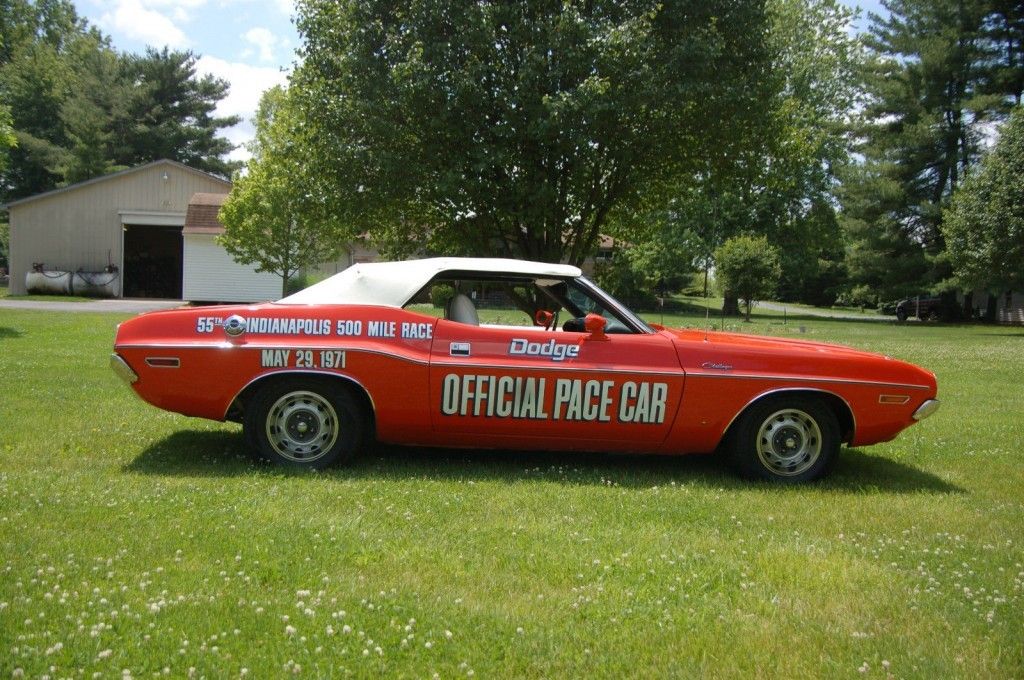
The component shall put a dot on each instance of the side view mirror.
(543, 318)
(595, 323)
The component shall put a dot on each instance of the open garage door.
(152, 261)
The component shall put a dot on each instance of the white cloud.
(139, 21)
(248, 83)
(286, 7)
(264, 41)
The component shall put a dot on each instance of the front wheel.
(785, 439)
(305, 423)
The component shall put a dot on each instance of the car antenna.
(707, 316)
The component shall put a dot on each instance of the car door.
(526, 383)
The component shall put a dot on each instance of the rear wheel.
(305, 423)
(785, 439)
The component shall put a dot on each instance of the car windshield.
(516, 300)
(595, 293)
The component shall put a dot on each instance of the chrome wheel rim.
(789, 442)
(302, 426)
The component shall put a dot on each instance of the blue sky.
(250, 43)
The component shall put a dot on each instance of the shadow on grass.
(6, 332)
(224, 454)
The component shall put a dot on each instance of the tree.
(172, 113)
(748, 266)
(94, 116)
(36, 76)
(518, 128)
(941, 73)
(779, 179)
(270, 218)
(659, 265)
(984, 226)
(80, 109)
(7, 138)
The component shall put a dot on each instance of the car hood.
(754, 355)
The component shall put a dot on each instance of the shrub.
(441, 294)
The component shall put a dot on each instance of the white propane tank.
(94, 284)
(52, 282)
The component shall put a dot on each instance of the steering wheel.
(545, 318)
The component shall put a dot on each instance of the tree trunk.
(968, 307)
(991, 308)
(730, 304)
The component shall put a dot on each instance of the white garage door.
(210, 275)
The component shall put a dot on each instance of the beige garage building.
(134, 223)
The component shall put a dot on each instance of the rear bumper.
(926, 409)
(122, 369)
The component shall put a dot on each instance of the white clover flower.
(289, 630)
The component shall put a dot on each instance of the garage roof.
(114, 175)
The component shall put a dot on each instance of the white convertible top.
(392, 284)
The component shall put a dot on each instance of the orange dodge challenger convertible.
(563, 365)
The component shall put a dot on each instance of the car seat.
(460, 308)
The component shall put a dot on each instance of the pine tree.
(79, 109)
(173, 113)
(942, 71)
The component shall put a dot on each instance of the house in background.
(137, 221)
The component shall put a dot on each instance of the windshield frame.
(637, 324)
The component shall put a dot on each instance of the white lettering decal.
(303, 358)
(268, 325)
(571, 399)
(417, 331)
(206, 324)
(556, 350)
(275, 358)
(348, 327)
(450, 395)
(381, 329)
(643, 402)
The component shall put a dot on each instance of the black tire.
(784, 439)
(901, 314)
(305, 423)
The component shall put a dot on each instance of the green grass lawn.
(133, 540)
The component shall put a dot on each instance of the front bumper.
(926, 409)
